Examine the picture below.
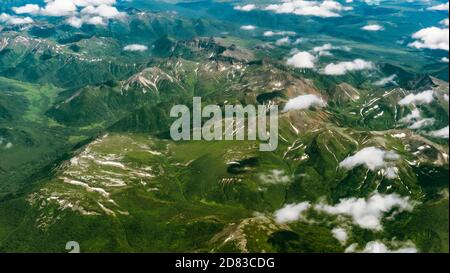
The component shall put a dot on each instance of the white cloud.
(75, 22)
(298, 41)
(415, 115)
(340, 234)
(444, 60)
(135, 47)
(368, 213)
(387, 80)
(324, 50)
(415, 121)
(96, 20)
(439, 7)
(59, 8)
(444, 22)
(372, 2)
(27, 9)
(248, 7)
(379, 247)
(441, 133)
(291, 212)
(431, 38)
(371, 157)
(78, 22)
(248, 27)
(270, 33)
(328, 8)
(14, 20)
(325, 47)
(85, 3)
(343, 67)
(94, 12)
(424, 97)
(422, 123)
(289, 41)
(304, 102)
(283, 41)
(275, 177)
(390, 172)
(302, 59)
(102, 11)
(372, 27)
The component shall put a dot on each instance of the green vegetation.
(86, 156)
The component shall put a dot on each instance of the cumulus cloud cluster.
(79, 12)
(374, 159)
(372, 27)
(422, 123)
(368, 2)
(276, 177)
(441, 133)
(283, 41)
(291, 212)
(288, 41)
(14, 20)
(27, 9)
(340, 234)
(380, 247)
(248, 27)
(366, 213)
(441, 7)
(324, 50)
(135, 48)
(271, 33)
(328, 8)
(247, 8)
(304, 102)
(431, 38)
(415, 121)
(436, 38)
(302, 59)
(424, 97)
(386, 80)
(342, 68)
(308, 59)
(59, 8)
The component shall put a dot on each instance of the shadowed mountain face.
(86, 153)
